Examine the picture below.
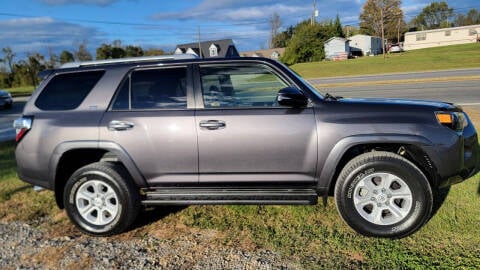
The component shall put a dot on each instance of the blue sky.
(39, 25)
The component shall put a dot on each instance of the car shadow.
(153, 214)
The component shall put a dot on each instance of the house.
(363, 45)
(337, 48)
(223, 48)
(441, 37)
(274, 53)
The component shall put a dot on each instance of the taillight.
(22, 125)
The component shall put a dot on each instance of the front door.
(244, 136)
(152, 118)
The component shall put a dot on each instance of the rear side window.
(67, 91)
(153, 89)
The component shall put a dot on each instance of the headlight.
(454, 120)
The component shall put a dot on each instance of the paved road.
(7, 117)
(400, 76)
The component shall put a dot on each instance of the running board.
(189, 196)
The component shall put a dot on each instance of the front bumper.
(468, 157)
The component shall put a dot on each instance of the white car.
(395, 49)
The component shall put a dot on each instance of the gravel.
(25, 246)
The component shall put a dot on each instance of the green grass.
(20, 91)
(310, 236)
(449, 57)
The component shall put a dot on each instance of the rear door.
(244, 136)
(152, 119)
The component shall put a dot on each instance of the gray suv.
(112, 136)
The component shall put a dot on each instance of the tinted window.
(67, 91)
(153, 89)
(240, 86)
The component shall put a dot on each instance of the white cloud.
(25, 35)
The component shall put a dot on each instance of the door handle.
(212, 124)
(120, 125)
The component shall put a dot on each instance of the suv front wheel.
(383, 194)
(101, 199)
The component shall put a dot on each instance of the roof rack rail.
(129, 60)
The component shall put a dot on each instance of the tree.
(381, 18)
(436, 15)
(133, 51)
(53, 59)
(306, 45)
(104, 52)
(275, 24)
(66, 57)
(9, 56)
(36, 63)
(83, 54)
(338, 27)
(280, 40)
(154, 52)
(472, 17)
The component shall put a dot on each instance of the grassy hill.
(449, 57)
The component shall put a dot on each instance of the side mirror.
(291, 97)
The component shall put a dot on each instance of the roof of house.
(337, 38)
(263, 53)
(443, 29)
(222, 45)
(362, 35)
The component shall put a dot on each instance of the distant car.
(395, 49)
(6, 100)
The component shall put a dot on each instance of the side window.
(239, 86)
(67, 91)
(153, 89)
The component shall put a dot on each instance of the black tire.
(356, 174)
(102, 176)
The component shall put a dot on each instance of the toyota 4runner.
(112, 136)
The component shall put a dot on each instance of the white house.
(442, 37)
(337, 48)
(362, 45)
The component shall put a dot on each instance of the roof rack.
(129, 60)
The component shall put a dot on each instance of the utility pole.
(199, 44)
(398, 30)
(383, 30)
(314, 12)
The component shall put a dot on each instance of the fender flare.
(108, 146)
(327, 172)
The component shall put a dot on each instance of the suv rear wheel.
(383, 194)
(101, 199)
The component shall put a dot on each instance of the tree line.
(304, 42)
(23, 72)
